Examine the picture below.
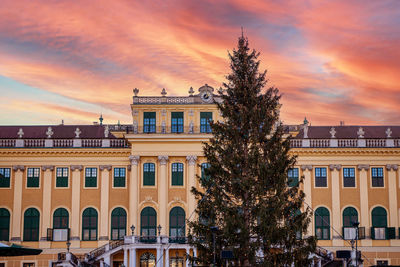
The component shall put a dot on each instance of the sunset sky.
(72, 60)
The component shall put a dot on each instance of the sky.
(74, 60)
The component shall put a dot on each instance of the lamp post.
(214, 230)
(356, 225)
(133, 229)
(159, 229)
(68, 245)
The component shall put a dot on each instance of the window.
(377, 177)
(382, 263)
(119, 177)
(5, 177)
(322, 223)
(320, 177)
(176, 122)
(205, 118)
(379, 223)
(60, 225)
(28, 264)
(148, 221)
(350, 216)
(62, 177)
(89, 224)
(177, 174)
(91, 177)
(118, 224)
(4, 224)
(149, 122)
(31, 225)
(204, 176)
(33, 177)
(293, 177)
(177, 225)
(148, 259)
(349, 179)
(149, 174)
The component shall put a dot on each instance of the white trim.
(112, 177)
(40, 177)
(68, 177)
(97, 177)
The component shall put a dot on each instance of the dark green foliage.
(247, 196)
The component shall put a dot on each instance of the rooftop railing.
(63, 143)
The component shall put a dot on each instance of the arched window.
(322, 223)
(147, 260)
(4, 224)
(379, 223)
(60, 219)
(204, 176)
(31, 224)
(148, 221)
(177, 225)
(89, 224)
(118, 223)
(350, 216)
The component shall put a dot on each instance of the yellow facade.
(131, 147)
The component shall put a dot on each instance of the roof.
(59, 131)
(350, 132)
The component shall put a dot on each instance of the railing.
(177, 239)
(342, 143)
(115, 243)
(152, 129)
(148, 239)
(91, 142)
(118, 143)
(295, 143)
(63, 142)
(97, 252)
(7, 142)
(319, 143)
(163, 100)
(34, 142)
(375, 142)
(347, 142)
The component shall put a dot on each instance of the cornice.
(66, 151)
(344, 151)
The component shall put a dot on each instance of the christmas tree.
(245, 204)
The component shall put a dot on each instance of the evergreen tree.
(246, 203)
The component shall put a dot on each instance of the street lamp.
(68, 245)
(133, 229)
(356, 225)
(214, 230)
(159, 229)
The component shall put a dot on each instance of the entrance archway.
(147, 260)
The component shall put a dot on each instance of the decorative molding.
(134, 159)
(305, 131)
(106, 131)
(337, 167)
(332, 132)
(392, 167)
(163, 160)
(364, 167)
(306, 167)
(163, 112)
(20, 133)
(360, 132)
(15, 239)
(47, 167)
(129, 167)
(148, 198)
(177, 199)
(388, 133)
(74, 238)
(18, 168)
(49, 132)
(105, 167)
(77, 132)
(135, 112)
(76, 167)
(191, 160)
(118, 152)
(103, 238)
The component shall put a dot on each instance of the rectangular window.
(205, 118)
(176, 122)
(377, 177)
(293, 177)
(28, 264)
(119, 177)
(62, 177)
(91, 177)
(349, 179)
(320, 177)
(149, 174)
(382, 263)
(5, 177)
(33, 177)
(205, 166)
(149, 122)
(177, 174)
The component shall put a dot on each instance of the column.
(125, 257)
(132, 257)
(75, 206)
(166, 257)
(307, 191)
(163, 193)
(107, 260)
(46, 216)
(159, 257)
(393, 214)
(133, 192)
(187, 257)
(364, 206)
(17, 203)
(104, 197)
(191, 183)
(336, 214)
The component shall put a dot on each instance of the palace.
(119, 195)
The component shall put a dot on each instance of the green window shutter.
(89, 224)
(62, 177)
(372, 232)
(379, 217)
(5, 177)
(390, 233)
(91, 177)
(293, 177)
(149, 122)
(119, 177)
(177, 174)
(177, 122)
(205, 118)
(4, 224)
(149, 174)
(31, 225)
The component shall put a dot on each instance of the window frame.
(3, 228)
(149, 122)
(347, 175)
(89, 228)
(62, 177)
(205, 119)
(349, 212)
(374, 178)
(177, 122)
(31, 229)
(5, 184)
(323, 216)
(119, 177)
(320, 169)
(180, 235)
(61, 216)
(203, 166)
(33, 176)
(90, 177)
(294, 182)
(177, 174)
(148, 228)
(121, 217)
(147, 174)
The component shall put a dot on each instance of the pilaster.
(336, 214)
(75, 205)
(46, 213)
(307, 169)
(163, 193)
(364, 216)
(133, 192)
(191, 160)
(393, 210)
(17, 203)
(104, 198)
